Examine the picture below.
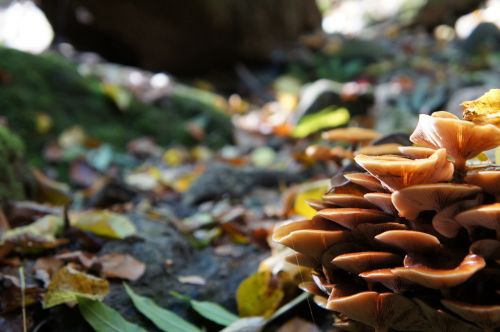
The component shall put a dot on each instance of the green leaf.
(214, 312)
(327, 118)
(103, 318)
(247, 324)
(164, 319)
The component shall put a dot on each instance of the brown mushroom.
(388, 279)
(485, 316)
(367, 260)
(412, 200)
(347, 200)
(366, 233)
(444, 221)
(318, 204)
(486, 248)
(461, 139)
(318, 152)
(379, 310)
(487, 216)
(441, 278)
(410, 241)
(365, 180)
(489, 180)
(382, 201)
(377, 150)
(397, 172)
(312, 242)
(351, 217)
(416, 152)
(302, 260)
(352, 135)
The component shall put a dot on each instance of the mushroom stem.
(460, 169)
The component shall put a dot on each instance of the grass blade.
(164, 319)
(214, 312)
(103, 318)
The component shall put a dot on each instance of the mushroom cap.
(311, 287)
(412, 200)
(302, 260)
(444, 221)
(377, 150)
(387, 278)
(416, 152)
(351, 217)
(365, 180)
(318, 204)
(397, 172)
(313, 242)
(382, 201)
(351, 135)
(487, 179)
(487, 216)
(348, 200)
(486, 248)
(485, 316)
(296, 225)
(318, 152)
(379, 310)
(366, 233)
(441, 278)
(461, 139)
(367, 260)
(410, 241)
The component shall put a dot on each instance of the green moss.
(11, 153)
(49, 84)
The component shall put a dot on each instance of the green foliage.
(31, 85)
(11, 152)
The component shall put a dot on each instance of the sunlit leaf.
(164, 319)
(103, 318)
(258, 295)
(248, 324)
(327, 118)
(121, 266)
(121, 97)
(104, 223)
(309, 191)
(68, 284)
(485, 109)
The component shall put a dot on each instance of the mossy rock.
(50, 86)
(11, 156)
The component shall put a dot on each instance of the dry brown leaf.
(121, 266)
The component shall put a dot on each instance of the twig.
(23, 300)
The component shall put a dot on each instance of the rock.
(324, 93)
(484, 38)
(221, 180)
(182, 36)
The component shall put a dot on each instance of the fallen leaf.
(121, 266)
(248, 324)
(104, 223)
(193, 280)
(485, 109)
(164, 319)
(87, 260)
(43, 123)
(258, 295)
(47, 190)
(309, 191)
(214, 312)
(11, 299)
(327, 118)
(68, 284)
(104, 318)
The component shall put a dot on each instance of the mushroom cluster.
(411, 243)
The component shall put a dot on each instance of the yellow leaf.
(69, 283)
(258, 295)
(182, 183)
(485, 109)
(309, 191)
(174, 156)
(43, 123)
(482, 157)
(105, 223)
(497, 156)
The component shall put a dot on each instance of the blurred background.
(191, 119)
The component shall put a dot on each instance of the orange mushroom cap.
(365, 180)
(367, 260)
(351, 217)
(444, 221)
(382, 201)
(410, 241)
(377, 150)
(387, 278)
(487, 216)
(348, 200)
(489, 180)
(350, 134)
(461, 139)
(398, 172)
(416, 152)
(412, 200)
(442, 278)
